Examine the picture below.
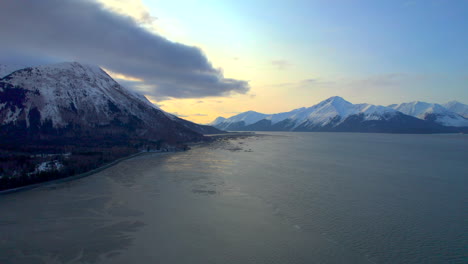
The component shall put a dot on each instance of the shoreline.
(73, 177)
(214, 137)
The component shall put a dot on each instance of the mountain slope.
(71, 101)
(432, 112)
(457, 107)
(202, 129)
(7, 69)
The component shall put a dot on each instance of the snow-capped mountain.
(72, 100)
(332, 114)
(332, 111)
(457, 107)
(432, 112)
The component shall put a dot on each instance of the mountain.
(242, 119)
(218, 120)
(432, 112)
(457, 107)
(73, 102)
(333, 114)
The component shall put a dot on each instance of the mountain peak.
(218, 120)
(251, 112)
(336, 99)
(414, 103)
(75, 66)
(52, 88)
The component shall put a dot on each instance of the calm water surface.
(282, 198)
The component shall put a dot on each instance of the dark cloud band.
(82, 30)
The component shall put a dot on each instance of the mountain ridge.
(336, 114)
(434, 112)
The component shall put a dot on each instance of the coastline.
(71, 178)
(214, 137)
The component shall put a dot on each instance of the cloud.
(310, 81)
(301, 84)
(134, 8)
(371, 81)
(280, 64)
(370, 85)
(85, 31)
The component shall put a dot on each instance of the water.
(284, 198)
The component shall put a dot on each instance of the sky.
(203, 59)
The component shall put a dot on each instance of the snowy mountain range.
(77, 101)
(337, 114)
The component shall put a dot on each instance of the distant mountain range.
(338, 115)
(69, 102)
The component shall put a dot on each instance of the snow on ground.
(45, 166)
